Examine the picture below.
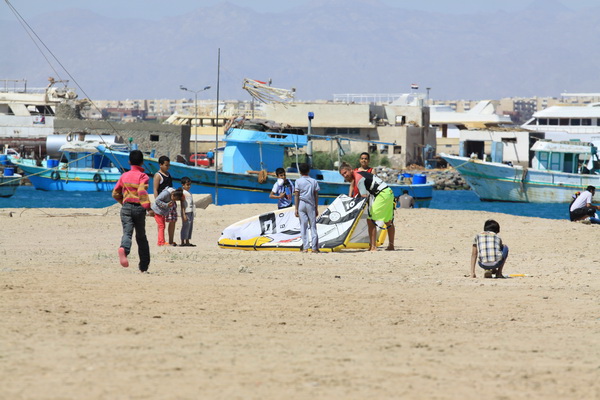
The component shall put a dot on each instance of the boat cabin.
(571, 119)
(570, 156)
(257, 147)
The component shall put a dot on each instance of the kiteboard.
(343, 225)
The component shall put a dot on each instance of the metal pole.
(309, 147)
(217, 132)
(196, 128)
(193, 126)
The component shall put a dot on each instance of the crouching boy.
(489, 251)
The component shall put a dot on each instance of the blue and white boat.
(9, 180)
(558, 170)
(79, 168)
(247, 152)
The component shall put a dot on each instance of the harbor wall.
(170, 140)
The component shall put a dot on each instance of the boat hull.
(71, 180)
(9, 185)
(235, 188)
(500, 182)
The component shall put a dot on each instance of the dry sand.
(223, 324)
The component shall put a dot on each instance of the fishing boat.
(558, 170)
(78, 167)
(27, 114)
(251, 150)
(9, 180)
(574, 120)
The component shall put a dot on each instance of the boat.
(78, 167)
(557, 171)
(9, 180)
(252, 147)
(26, 113)
(574, 120)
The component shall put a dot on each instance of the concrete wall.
(330, 115)
(409, 115)
(169, 140)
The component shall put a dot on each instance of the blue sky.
(156, 9)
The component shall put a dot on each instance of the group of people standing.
(304, 196)
(165, 205)
(131, 191)
(363, 182)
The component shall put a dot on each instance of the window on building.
(543, 121)
(575, 121)
(553, 121)
(586, 121)
(342, 131)
(154, 138)
(397, 149)
(564, 121)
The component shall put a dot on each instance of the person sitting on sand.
(489, 250)
(582, 208)
(406, 200)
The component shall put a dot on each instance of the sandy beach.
(209, 323)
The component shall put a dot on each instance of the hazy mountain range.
(332, 46)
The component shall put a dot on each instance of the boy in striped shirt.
(131, 191)
(489, 250)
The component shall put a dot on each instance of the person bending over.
(381, 208)
(582, 208)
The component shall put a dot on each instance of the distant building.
(402, 121)
(123, 114)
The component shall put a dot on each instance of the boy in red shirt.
(131, 192)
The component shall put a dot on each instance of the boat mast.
(217, 132)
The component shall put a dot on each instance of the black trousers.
(133, 217)
(579, 213)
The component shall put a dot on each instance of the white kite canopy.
(342, 226)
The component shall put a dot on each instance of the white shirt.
(189, 202)
(581, 201)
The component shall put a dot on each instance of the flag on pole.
(414, 86)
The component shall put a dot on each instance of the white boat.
(558, 169)
(582, 122)
(28, 113)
